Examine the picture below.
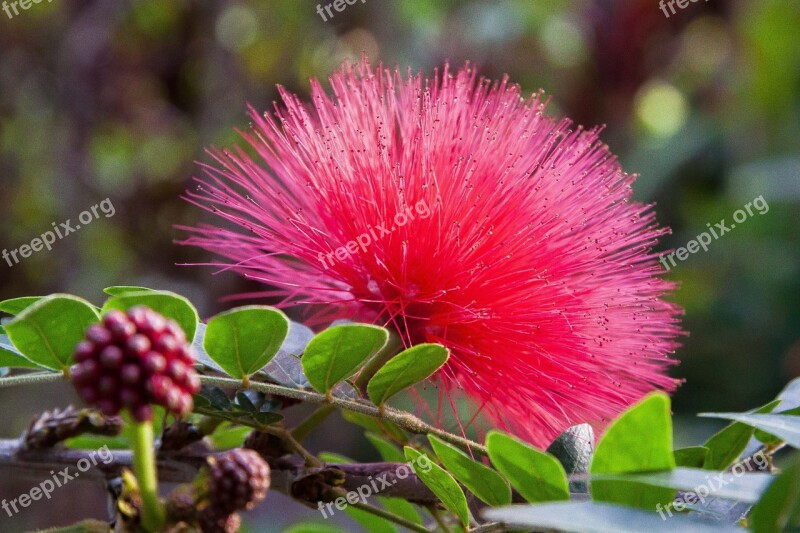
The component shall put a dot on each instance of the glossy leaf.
(243, 340)
(482, 481)
(338, 352)
(47, 332)
(441, 484)
(15, 306)
(10, 356)
(169, 304)
(593, 517)
(388, 450)
(779, 507)
(739, 486)
(691, 456)
(537, 475)
(407, 368)
(786, 427)
(725, 446)
(640, 440)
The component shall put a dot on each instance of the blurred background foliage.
(118, 99)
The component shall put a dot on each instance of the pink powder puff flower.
(454, 211)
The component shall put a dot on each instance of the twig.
(403, 419)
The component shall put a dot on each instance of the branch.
(290, 476)
(403, 419)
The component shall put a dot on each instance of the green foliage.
(779, 508)
(640, 440)
(46, 332)
(407, 368)
(248, 409)
(338, 352)
(632, 466)
(691, 456)
(243, 340)
(481, 480)
(441, 484)
(594, 517)
(537, 475)
(169, 304)
(785, 427)
(15, 306)
(725, 446)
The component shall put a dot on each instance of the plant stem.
(286, 436)
(391, 517)
(405, 420)
(304, 428)
(31, 379)
(144, 466)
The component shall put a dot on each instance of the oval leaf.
(169, 304)
(11, 358)
(786, 427)
(591, 517)
(243, 340)
(779, 507)
(338, 352)
(538, 476)
(48, 331)
(725, 446)
(15, 306)
(441, 484)
(119, 290)
(406, 369)
(640, 440)
(481, 480)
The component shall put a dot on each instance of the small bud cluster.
(135, 359)
(237, 480)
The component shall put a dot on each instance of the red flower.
(454, 211)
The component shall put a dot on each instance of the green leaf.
(640, 440)
(592, 517)
(47, 332)
(725, 446)
(402, 508)
(376, 425)
(482, 481)
(370, 522)
(407, 368)
(15, 306)
(786, 427)
(441, 484)
(772, 440)
(691, 456)
(169, 304)
(389, 451)
(243, 340)
(335, 458)
(11, 358)
(119, 290)
(537, 475)
(779, 507)
(229, 436)
(338, 352)
(740, 486)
